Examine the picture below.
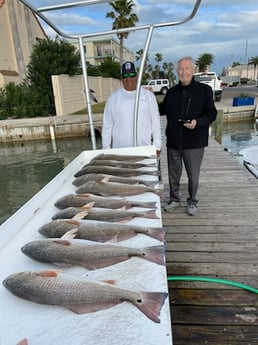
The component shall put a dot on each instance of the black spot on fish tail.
(150, 304)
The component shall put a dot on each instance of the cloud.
(226, 29)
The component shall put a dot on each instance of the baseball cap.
(128, 67)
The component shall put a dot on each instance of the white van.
(158, 85)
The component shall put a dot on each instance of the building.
(99, 48)
(20, 29)
(245, 71)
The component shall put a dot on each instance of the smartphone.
(184, 121)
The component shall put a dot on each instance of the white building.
(243, 71)
(99, 48)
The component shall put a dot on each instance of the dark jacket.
(194, 101)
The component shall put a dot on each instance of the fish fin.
(154, 254)
(62, 242)
(123, 208)
(109, 281)
(89, 205)
(73, 221)
(49, 274)
(124, 220)
(150, 304)
(105, 263)
(70, 234)
(80, 215)
(113, 239)
(105, 179)
(150, 214)
(90, 307)
(23, 342)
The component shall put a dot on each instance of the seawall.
(78, 125)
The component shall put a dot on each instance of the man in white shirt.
(118, 118)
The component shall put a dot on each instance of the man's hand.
(158, 153)
(191, 125)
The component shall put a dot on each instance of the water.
(239, 135)
(25, 168)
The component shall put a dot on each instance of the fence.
(69, 91)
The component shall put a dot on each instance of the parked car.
(211, 79)
(158, 85)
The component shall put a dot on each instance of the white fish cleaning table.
(123, 324)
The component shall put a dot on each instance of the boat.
(118, 325)
(250, 159)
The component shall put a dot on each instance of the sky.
(225, 28)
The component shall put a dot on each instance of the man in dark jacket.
(190, 109)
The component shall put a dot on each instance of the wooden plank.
(220, 242)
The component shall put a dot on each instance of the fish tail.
(150, 304)
(152, 172)
(157, 233)
(155, 254)
(150, 204)
(150, 184)
(150, 214)
(157, 191)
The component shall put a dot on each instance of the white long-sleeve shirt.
(118, 120)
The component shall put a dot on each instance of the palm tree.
(170, 73)
(138, 56)
(123, 18)
(254, 61)
(150, 69)
(158, 59)
(204, 61)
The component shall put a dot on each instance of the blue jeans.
(192, 159)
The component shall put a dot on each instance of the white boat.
(44, 324)
(250, 159)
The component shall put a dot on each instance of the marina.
(219, 243)
(211, 259)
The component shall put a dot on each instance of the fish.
(91, 255)
(99, 231)
(125, 172)
(80, 295)
(80, 200)
(102, 214)
(98, 177)
(106, 188)
(118, 164)
(118, 157)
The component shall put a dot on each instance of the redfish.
(80, 200)
(81, 295)
(127, 172)
(91, 255)
(106, 188)
(114, 156)
(102, 214)
(118, 164)
(98, 177)
(99, 231)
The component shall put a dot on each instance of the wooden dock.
(220, 242)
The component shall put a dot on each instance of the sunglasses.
(128, 75)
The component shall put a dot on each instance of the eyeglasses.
(128, 75)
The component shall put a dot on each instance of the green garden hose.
(213, 280)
